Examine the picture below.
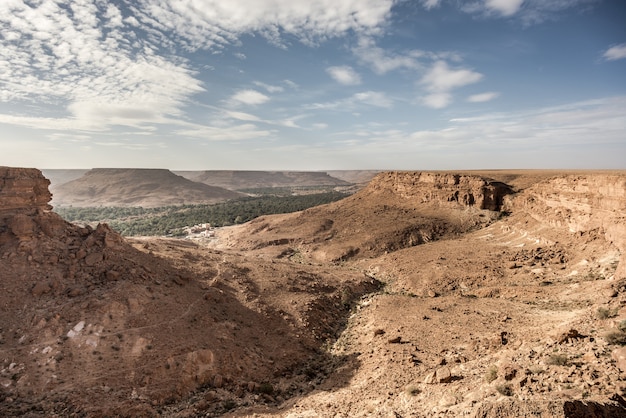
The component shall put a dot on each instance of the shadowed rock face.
(23, 190)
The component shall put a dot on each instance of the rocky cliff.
(442, 188)
(579, 204)
(23, 190)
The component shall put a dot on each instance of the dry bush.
(616, 338)
(491, 374)
(557, 360)
(606, 313)
(413, 390)
(505, 390)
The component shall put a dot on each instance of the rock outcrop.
(23, 190)
(579, 204)
(443, 188)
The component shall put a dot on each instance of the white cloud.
(240, 55)
(374, 98)
(616, 52)
(382, 61)
(249, 97)
(370, 98)
(528, 11)
(270, 88)
(242, 116)
(483, 97)
(504, 7)
(441, 78)
(437, 100)
(101, 65)
(77, 58)
(344, 75)
(212, 23)
(429, 4)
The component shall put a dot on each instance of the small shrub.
(505, 390)
(228, 405)
(606, 313)
(622, 325)
(413, 390)
(557, 360)
(491, 374)
(266, 388)
(616, 338)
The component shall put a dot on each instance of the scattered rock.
(571, 334)
(443, 375)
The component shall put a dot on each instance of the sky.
(313, 84)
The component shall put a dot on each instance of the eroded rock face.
(24, 198)
(23, 190)
(580, 204)
(443, 188)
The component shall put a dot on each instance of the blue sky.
(313, 85)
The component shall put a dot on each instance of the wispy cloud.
(269, 87)
(369, 98)
(483, 97)
(344, 75)
(616, 52)
(529, 12)
(547, 137)
(504, 7)
(106, 64)
(382, 61)
(437, 100)
(440, 80)
(430, 4)
(249, 97)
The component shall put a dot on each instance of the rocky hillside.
(93, 325)
(239, 180)
(478, 294)
(395, 211)
(516, 312)
(136, 187)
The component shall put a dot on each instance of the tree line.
(169, 220)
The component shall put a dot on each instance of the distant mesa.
(136, 187)
(239, 180)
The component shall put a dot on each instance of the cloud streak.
(616, 52)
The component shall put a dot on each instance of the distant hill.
(60, 176)
(238, 180)
(354, 176)
(136, 187)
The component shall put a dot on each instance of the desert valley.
(479, 294)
